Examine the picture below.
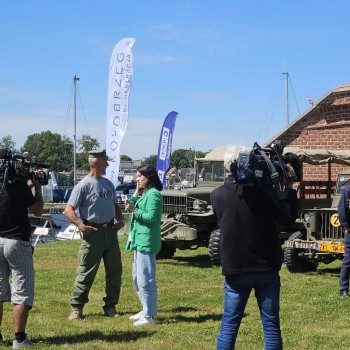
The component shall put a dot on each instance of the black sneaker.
(110, 311)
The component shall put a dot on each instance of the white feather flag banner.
(119, 85)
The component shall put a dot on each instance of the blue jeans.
(144, 277)
(345, 266)
(237, 289)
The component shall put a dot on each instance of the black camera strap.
(274, 175)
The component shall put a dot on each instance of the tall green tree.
(50, 148)
(183, 158)
(125, 158)
(7, 142)
(85, 144)
(151, 160)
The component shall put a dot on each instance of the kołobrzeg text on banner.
(165, 144)
(119, 84)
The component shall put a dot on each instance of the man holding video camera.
(16, 251)
(251, 254)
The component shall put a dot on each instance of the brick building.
(325, 125)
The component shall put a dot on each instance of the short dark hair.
(150, 173)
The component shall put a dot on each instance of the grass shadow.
(201, 261)
(190, 319)
(332, 271)
(94, 335)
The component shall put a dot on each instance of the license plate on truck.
(330, 247)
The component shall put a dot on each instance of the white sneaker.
(136, 316)
(143, 321)
(26, 342)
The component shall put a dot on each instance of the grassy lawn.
(190, 307)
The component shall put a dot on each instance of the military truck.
(188, 221)
(320, 237)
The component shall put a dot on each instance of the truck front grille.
(176, 205)
(330, 232)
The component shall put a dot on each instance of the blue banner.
(164, 148)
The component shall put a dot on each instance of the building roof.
(216, 153)
(322, 100)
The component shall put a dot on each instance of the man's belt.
(93, 224)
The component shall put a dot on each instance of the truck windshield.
(211, 171)
(343, 180)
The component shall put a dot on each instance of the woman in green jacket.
(144, 239)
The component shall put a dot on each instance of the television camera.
(264, 167)
(14, 167)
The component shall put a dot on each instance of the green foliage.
(125, 158)
(7, 142)
(313, 316)
(184, 158)
(57, 151)
(50, 148)
(151, 160)
(85, 144)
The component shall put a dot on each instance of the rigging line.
(68, 111)
(65, 138)
(83, 113)
(295, 100)
(275, 100)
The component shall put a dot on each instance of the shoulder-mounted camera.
(14, 167)
(263, 167)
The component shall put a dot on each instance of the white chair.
(69, 232)
(42, 233)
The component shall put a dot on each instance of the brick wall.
(325, 126)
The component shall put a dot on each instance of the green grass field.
(313, 316)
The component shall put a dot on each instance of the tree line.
(56, 150)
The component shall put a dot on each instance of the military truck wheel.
(293, 261)
(214, 247)
(166, 252)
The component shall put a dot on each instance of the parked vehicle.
(320, 237)
(189, 223)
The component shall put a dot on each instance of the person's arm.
(119, 217)
(130, 204)
(343, 209)
(154, 204)
(69, 211)
(38, 207)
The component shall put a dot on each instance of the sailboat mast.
(286, 75)
(75, 79)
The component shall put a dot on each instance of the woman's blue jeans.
(237, 289)
(144, 277)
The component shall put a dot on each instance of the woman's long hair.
(151, 174)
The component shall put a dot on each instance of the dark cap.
(99, 153)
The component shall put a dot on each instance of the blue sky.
(219, 64)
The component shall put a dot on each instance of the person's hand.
(33, 183)
(129, 206)
(87, 229)
(137, 190)
(291, 176)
